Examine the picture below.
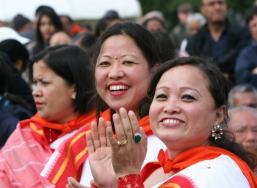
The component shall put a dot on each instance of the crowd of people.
(129, 104)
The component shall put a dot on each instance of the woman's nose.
(172, 106)
(116, 72)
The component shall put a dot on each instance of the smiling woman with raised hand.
(124, 57)
(62, 90)
(188, 115)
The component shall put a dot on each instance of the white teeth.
(118, 87)
(170, 121)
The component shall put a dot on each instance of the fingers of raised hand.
(95, 135)
(90, 144)
(102, 132)
(119, 130)
(111, 140)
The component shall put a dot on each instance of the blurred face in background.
(46, 28)
(245, 98)
(253, 27)
(215, 11)
(243, 124)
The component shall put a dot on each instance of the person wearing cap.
(154, 21)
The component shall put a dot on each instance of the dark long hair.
(146, 43)
(51, 14)
(72, 64)
(218, 87)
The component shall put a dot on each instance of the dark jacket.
(246, 62)
(236, 39)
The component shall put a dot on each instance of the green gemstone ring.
(137, 137)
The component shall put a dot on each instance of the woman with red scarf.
(62, 90)
(189, 116)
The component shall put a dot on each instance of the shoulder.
(21, 134)
(218, 172)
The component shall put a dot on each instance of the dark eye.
(44, 83)
(128, 62)
(104, 64)
(161, 97)
(241, 130)
(188, 98)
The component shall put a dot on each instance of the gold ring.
(122, 142)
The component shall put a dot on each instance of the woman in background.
(47, 24)
(62, 90)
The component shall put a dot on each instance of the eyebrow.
(183, 88)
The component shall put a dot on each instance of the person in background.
(243, 94)
(166, 47)
(62, 90)
(246, 65)
(23, 26)
(194, 23)
(87, 42)
(47, 24)
(110, 18)
(11, 110)
(59, 38)
(219, 39)
(154, 21)
(189, 116)
(19, 57)
(243, 124)
(179, 32)
(71, 28)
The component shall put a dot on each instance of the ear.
(221, 114)
(73, 92)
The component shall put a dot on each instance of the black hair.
(5, 72)
(72, 64)
(16, 51)
(40, 44)
(166, 46)
(251, 14)
(143, 39)
(218, 87)
(43, 8)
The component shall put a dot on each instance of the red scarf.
(41, 127)
(71, 153)
(193, 156)
(74, 152)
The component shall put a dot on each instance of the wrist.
(130, 180)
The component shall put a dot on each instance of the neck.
(216, 30)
